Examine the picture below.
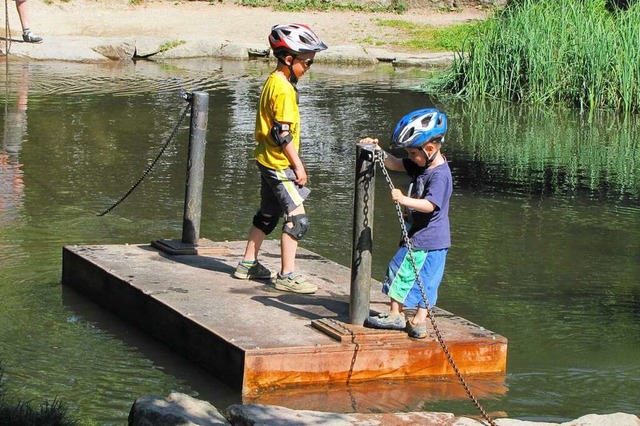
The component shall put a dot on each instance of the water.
(545, 225)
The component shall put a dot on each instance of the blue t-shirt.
(430, 231)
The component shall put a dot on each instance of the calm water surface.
(545, 218)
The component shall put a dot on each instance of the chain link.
(346, 330)
(153, 163)
(379, 158)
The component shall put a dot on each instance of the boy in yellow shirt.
(282, 173)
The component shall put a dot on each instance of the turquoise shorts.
(400, 283)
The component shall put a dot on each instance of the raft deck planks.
(254, 337)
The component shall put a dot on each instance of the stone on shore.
(183, 410)
(98, 49)
(176, 409)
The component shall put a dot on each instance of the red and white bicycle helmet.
(294, 38)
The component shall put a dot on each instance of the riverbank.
(179, 408)
(98, 31)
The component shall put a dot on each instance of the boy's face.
(301, 63)
(417, 156)
(420, 155)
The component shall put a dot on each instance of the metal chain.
(7, 36)
(153, 163)
(379, 157)
(346, 330)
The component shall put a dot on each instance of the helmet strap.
(293, 79)
(429, 159)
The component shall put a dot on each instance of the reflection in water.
(11, 169)
(15, 130)
(545, 228)
(535, 150)
(379, 396)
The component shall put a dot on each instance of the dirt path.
(220, 20)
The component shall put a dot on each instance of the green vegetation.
(436, 39)
(168, 45)
(396, 6)
(54, 414)
(575, 53)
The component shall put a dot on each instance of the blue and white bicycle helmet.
(417, 128)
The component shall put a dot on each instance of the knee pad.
(300, 225)
(265, 223)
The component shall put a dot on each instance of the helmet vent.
(426, 120)
(410, 133)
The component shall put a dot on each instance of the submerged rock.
(176, 409)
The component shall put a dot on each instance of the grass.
(54, 414)
(23, 413)
(395, 6)
(436, 39)
(168, 45)
(575, 53)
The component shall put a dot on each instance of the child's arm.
(419, 204)
(391, 162)
(296, 163)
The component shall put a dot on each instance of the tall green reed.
(568, 52)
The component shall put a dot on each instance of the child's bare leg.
(23, 13)
(254, 242)
(420, 317)
(288, 249)
(289, 245)
(396, 307)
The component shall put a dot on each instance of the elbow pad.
(277, 129)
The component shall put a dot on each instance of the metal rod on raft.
(191, 242)
(362, 234)
(195, 167)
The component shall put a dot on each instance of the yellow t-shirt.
(277, 102)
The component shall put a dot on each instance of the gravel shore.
(95, 31)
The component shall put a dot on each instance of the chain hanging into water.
(153, 163)
(7, 37)
(379, 158)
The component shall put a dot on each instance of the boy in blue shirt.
(421, 133)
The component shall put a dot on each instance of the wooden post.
(195, 168)
(191, 243)
(362, 234)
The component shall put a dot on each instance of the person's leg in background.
(23, 12)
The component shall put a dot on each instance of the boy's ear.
(288, 59)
